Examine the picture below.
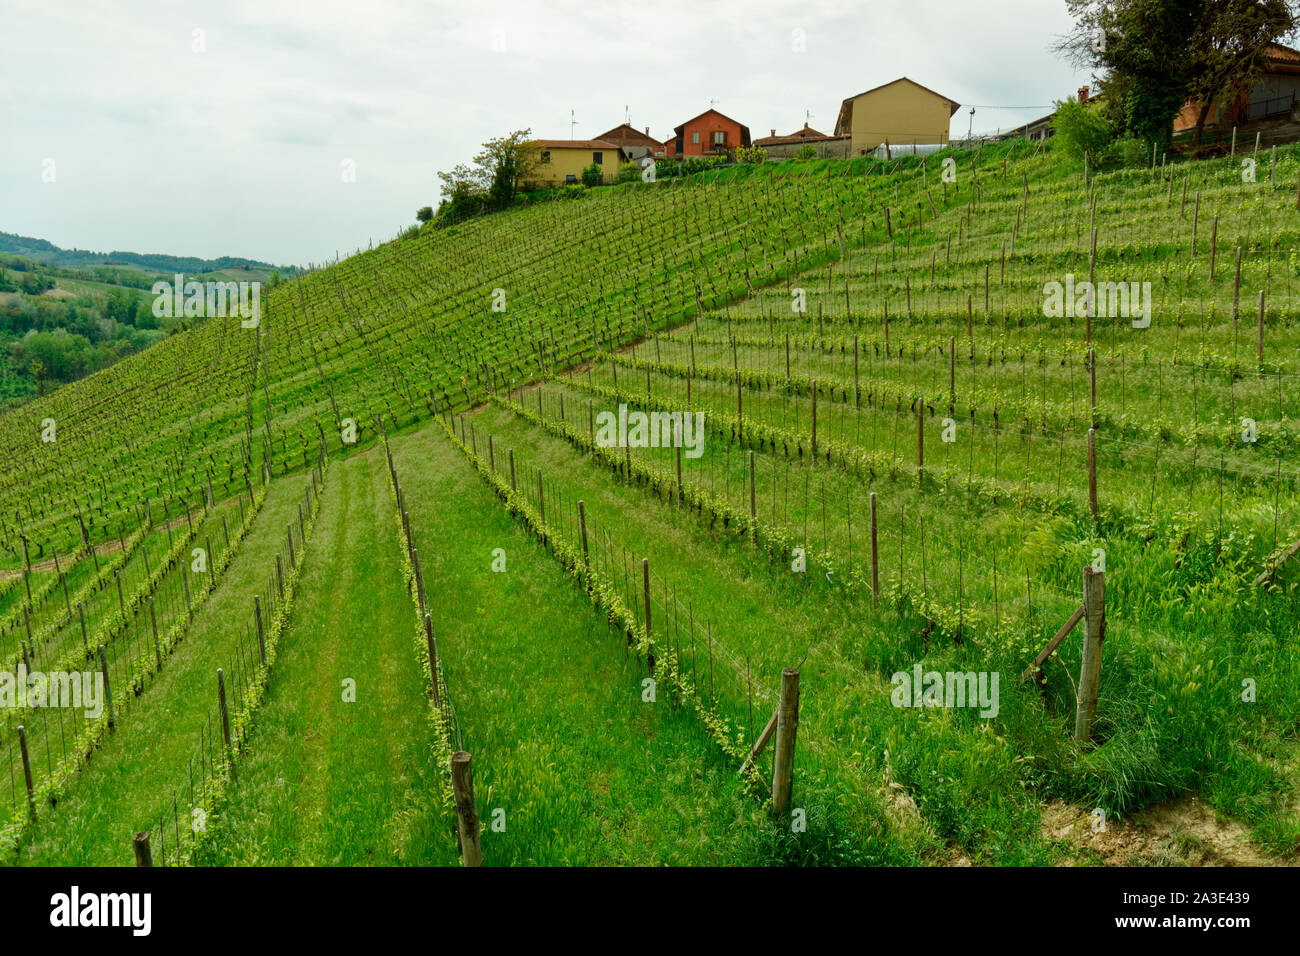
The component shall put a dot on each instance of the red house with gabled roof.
(709, 134)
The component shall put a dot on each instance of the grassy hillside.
(868, 344)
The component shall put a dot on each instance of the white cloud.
(237, 150)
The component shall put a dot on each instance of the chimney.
(1083, 94)
(773, 132)
(647, 130)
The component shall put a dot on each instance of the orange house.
(1271, 99)
(709, 134)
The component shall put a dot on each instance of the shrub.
(424, 214)
(628, 173)
(806, 151)
(1129, 152)
(1081, 130)
(592, 176)
(751, 154)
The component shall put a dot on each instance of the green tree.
(1156, 54)
(592, 176)
(424, 214)
(1080, 130)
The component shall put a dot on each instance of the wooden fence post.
(787, 723)
(462, 785)
(143, 855)
(1094, 622)
(513, 486)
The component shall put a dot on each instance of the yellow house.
(562, 161)
(901, 113)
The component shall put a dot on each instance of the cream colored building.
(902, 113)
(562, 161)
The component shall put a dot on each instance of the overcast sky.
(234, 140)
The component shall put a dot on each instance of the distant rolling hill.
(46, 252)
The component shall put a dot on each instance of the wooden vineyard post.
(1092, 472)
(753, 498)
(681, 492)
(1092, 386)
(1236, 291)
(1259, 346)
(740, 414)
(27, 771)
(513, 487)
(582, 526)
(920, 438)
(952, 372)
(875, 553)
(1094, 622)
(1214, 243)
(108, 689)
(541, 499)
(153, 621)
(814, 419)
(225, 716)
(857, 391)
(787, 723)
(143, 855)
(432, 644)
(645, 588)
(1196, 219)
(261, 636)
(462, 785)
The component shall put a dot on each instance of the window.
(719, 137)
(695, 137)
(546, 156)
(598, 158)
(570, 178)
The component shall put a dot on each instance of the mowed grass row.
(129, 780)
(570, 764)
(339, 768)
(1152, 742)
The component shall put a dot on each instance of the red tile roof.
(573, 144)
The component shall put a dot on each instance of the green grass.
(550, 705)
(324, 781)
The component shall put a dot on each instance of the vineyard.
(321, 564)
